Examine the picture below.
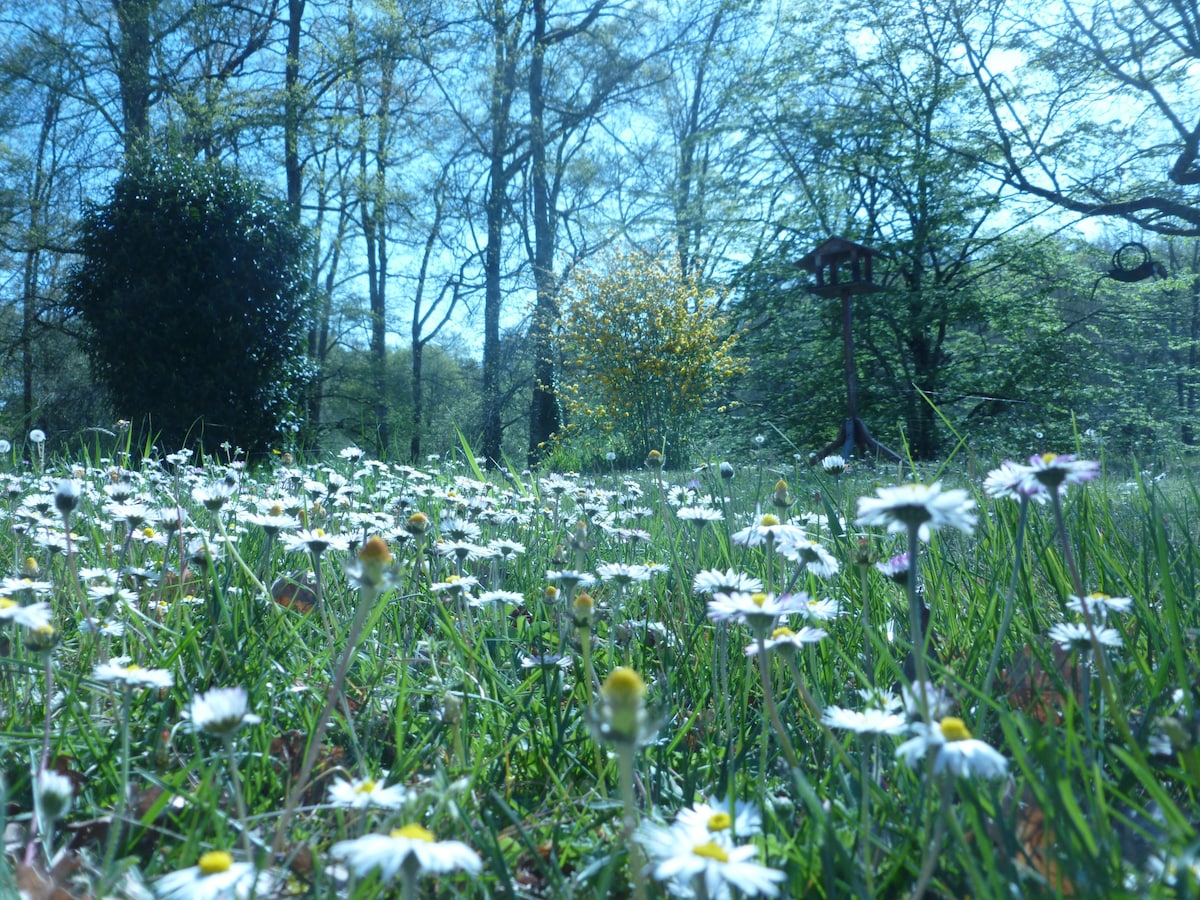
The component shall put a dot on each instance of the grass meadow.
(349, 678)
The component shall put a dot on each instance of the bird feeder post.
(842, 268)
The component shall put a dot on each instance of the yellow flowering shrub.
(643, 350)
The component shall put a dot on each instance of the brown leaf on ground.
(1037, 690)
(38, 885)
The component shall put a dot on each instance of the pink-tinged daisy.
(924, 506)
(411, 845)
(1013, 481)
(895, 568)
(955, 751)
(1054, 472)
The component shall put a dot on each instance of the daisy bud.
(654, 460)
(55, 792)
(66, 497)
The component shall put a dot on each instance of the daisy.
(722, 817)
(768, 528)
(1054, 472)
(821, 610)
(1073, 636)
(361, 793)
(936, 700)
(412, 846)
(955, 751)
(786, 639)
(623, 575)
(868, 721)
(681, 858)
(221, 711)
(214, 877)
(834, 464)
(758, 610)
(570, 580)
(1013, 481)
(895, 568)
(315, 541)
(808, 555)
(1097, 606)
(699, 515)
(33, 616)
(714, 581)
(925, 506)
(118, 671)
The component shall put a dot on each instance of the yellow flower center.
(148, 533)
(624, 685)
(758, 599)
(551, 592)
(721, 821)
(366, 787)
(954, 729)
(320, 532)
(768, 520)
(6, 603)
(414, 833)
(133, 667)
(276, 509)
(711, 851)
(375, 550)
(1048, 458)
(782, 633)
(215, 862)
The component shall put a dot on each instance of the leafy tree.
(1092, 104)
(192, 285)
(644, 351)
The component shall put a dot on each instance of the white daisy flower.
(361, 793)
(681, 858)
(410, 845)
(719, 817)
(925, 506)
(215, 877)
(120, 671)
(714, 581)
(33, 616)
(767, 527)
(867, 721)
(808, 555)
(1097, 606)
(758, 610)
(1075, 636)
(786, 639)
(221, 711)
(955, 751)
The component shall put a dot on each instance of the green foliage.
(192, 285)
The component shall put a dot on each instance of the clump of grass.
(450, 636)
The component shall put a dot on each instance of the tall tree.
(1091, 104)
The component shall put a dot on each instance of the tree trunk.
(133, 68)
(544, 417)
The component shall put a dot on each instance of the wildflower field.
(350, 678)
